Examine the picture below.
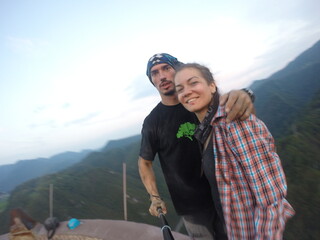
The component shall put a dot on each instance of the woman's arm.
(255, 150)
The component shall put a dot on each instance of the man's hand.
(238, 105)
(157, 202)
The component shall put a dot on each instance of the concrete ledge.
(97, 229)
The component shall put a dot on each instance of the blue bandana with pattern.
(161, 58)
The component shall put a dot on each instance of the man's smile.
(165, 84)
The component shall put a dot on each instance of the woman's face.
(194, 92)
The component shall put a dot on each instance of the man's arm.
(149, 181)
(238, 105)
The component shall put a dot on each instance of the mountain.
(12, 175)
(300, 154)
(120, 143)
(288, 102)
(303, 61)
(92, 189)
(284, 93)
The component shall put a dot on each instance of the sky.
(72, 73)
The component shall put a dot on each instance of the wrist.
(155, 197)
(250, 93)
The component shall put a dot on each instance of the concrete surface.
(104, 229)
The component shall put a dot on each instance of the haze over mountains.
(281, 96)
(89, 184)
(12, 175)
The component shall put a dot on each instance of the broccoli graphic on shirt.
(186, 130)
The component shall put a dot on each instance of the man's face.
(162, 76)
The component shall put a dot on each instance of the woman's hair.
(205, 72)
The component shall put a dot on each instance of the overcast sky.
(72, 73)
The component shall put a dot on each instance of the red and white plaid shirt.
(250, 179)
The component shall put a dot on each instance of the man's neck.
(169, 100)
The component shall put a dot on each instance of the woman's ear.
(213, 88)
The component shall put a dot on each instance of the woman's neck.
(202, 114)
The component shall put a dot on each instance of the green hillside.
(12, 175)
(280, 97)
(91, 189)
(300, 154)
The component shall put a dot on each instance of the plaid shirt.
(250, 179)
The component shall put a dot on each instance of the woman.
(246, 175)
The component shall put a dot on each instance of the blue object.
(73, 223)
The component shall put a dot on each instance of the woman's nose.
(187, 92)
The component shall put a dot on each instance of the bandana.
(161, 58)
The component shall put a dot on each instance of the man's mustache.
(163, 82)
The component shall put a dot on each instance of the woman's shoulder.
(220, 114)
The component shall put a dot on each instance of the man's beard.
(170, 93)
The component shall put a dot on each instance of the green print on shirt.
(186, 130)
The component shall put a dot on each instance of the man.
(168, 131)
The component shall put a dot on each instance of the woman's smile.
(194, 92)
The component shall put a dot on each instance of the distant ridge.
(121, 142)
(304, 60)
(12, 175)
(280, 97)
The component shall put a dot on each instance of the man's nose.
(162, 76)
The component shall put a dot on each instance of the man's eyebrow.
(165, 66)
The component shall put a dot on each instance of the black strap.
(203, 130)
(51, 224)
(51, 233)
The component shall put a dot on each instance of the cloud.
(46, 124)
(66, 105)
(40, 109)
(140, 88)
(20, 44)
(24, 45)
(83, 120)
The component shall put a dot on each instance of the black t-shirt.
(168, 132)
